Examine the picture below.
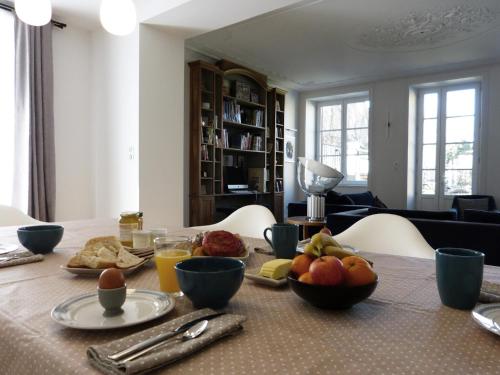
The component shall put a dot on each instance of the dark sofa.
(439, 228)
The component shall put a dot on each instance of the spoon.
(190, 334)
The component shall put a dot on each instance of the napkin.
(219, 327)
(490, 293)
(16, 258)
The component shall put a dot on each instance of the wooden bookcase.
(234, 135)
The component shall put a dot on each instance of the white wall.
(389, 148)
(115, 121)
(161, 134)
(74, 145)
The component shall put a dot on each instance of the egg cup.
(112, 300)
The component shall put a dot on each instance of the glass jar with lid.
(129, 221)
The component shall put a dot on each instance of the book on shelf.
(246, 142)
(278, 186)
(279, 132)
(207, 135)
(235, 113)
(204, 153)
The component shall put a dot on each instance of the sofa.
(439, 228)
(336, 202)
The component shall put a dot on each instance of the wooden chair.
(247, 221)
(386, 234)
(13, 216)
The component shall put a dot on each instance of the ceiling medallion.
(428, 29)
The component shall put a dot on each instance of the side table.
(306, 224)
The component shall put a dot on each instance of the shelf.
(245, 102)
(207, 109)
(279, 151)
(279, 124)
(207, 144)
(279, 178)
(206, 178)
(236, 194)
(206, 161)
(242, 125)
(280, 138)
(238, 150)
(279, 165)
(279, 111)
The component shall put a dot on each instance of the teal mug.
(459, 274)
(285, 239)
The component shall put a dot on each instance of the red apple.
(327, 270)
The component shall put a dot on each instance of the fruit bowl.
(331, 297)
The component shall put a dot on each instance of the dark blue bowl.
(332, 297)
(210, 281)
(40, 239)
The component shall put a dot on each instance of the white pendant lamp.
(118, 17)
(34, 12)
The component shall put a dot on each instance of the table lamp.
(316, 180)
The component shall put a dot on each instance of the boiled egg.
(111, 278)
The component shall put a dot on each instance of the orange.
(300, 264)
(306, 278)
(358, 271)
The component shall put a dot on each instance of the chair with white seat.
(386, 234)
(13, 216)
(247, 221)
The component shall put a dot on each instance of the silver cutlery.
(190, 334)
(160, 338)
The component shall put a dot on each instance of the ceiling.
(315, 44)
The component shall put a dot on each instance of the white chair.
(13, 216)
(386, 234)
(247, 221)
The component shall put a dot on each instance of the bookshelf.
(233, 138)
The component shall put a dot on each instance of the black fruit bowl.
(40, 239)
(331, 297)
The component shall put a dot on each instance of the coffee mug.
(285, 238)
(459, 274)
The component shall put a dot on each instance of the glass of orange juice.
(168, 252)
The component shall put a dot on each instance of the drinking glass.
(167, 254)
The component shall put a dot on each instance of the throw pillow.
(378, 203)
(480, 204)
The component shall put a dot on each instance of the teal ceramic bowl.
(210, 281)
(40, 239)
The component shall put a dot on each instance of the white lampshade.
(34, 12)
(118, 17)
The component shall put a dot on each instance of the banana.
(312, 250)
(337, 251)
(317, 240)
(325, 240)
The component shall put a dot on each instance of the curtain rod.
(10, 8)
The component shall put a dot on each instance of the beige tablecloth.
(401, 329)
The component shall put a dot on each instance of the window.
(342, 141)
(448, 138)
(7, 134)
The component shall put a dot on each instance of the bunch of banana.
(323, 244)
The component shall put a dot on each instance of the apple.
(358, 271)
(327, 270)
(300, 264)
(326, 231)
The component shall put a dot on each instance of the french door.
(448, 155)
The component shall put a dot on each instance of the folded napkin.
(219, 327)
(490, 293)
(16, 258)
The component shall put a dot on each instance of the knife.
(161, 337)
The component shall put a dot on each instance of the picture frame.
(242, 91)
(290, 145)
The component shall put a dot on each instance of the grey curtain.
(35, 109)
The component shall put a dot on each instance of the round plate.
(97, 271)
(488, 317)
(8, 247)
(85, 311)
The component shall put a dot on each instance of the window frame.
(442, 89)
(344, 102)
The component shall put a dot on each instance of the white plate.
(8, 247)
(302, 244)
(243, 258)
(254, 276)
(85, 311)
(488, 317)
(97, 271)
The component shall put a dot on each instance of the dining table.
(402, 328)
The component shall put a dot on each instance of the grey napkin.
(490, 293)
(219, 327)
(16, 258)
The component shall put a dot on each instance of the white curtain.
(14, 140)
